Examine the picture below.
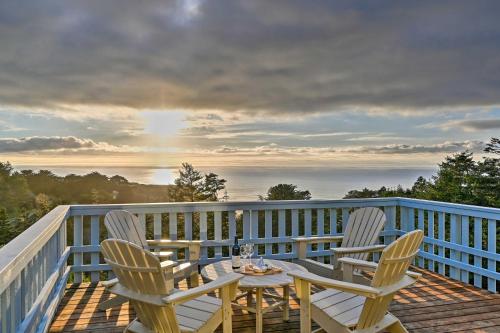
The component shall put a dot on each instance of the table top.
(220, 268)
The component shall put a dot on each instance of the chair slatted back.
(122, 224)
(363, 229)
(392, 267)
(140, 271)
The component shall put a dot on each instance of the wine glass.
(244, 253)
(250, 250)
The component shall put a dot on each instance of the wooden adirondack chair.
(122, 224)
(359, 240)
(148, 284)
(346, 307)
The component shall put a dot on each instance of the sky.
(239, 82)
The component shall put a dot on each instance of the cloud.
(258, 56)
(54, 143)
(470, 125)
(395, 149)
(445, 147)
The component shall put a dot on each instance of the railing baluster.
(441, 236)
(281, 230)
(254, 229)
(478, 244)
(203, 233)
(345, 218)
(492, 247)
(307, 225)
(455, 237)
(295, 228)
(4, 311)
(157, 226)
(218, 233)
(188, 230)
(172, 229)
(333, 225)
(464, 275)
(390, 225)
(320, 220)
(142, 220)
(94, 240)
(430, 234)
(268, 231)
(404, 218)
(420, 260)
(246, 225)
(78, 241)
(231, 216)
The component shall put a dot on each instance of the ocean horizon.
(247, 183)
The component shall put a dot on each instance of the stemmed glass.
(244, 253)
(250, 250)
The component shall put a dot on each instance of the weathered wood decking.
(434, 304)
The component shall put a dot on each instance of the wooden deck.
(434, 304)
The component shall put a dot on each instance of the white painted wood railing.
(461, 242)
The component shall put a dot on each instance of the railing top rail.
(233, 205)
(15, 255)
(453, 208)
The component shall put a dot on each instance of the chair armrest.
(163, 254)
(119, 289)
(194, 246)
(359, 249)
(174, 244)
(184, 296)
(318, 239)
(303, 241)
(354, 288)
(370, 266)
(109, 283)
(167, 264)
(183, 268)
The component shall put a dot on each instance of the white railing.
(461, 242)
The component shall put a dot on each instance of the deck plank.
(434, 304)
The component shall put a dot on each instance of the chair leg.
(397, 327)
(194, 279)
(111, 303)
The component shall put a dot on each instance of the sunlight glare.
(164, 123)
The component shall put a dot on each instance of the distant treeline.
(25, 196)
(460, 179)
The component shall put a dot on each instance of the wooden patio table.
(250, 283)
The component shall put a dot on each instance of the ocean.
(246, 183)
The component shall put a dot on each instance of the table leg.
(286, 305)
(249, 297)
(258, 310)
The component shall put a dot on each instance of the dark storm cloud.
(16, 145)
(250, 55)
(478, 124)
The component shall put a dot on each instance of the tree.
(493, 147)
(5, 228)
(211, 187)
(193, 186)
(286, 192)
